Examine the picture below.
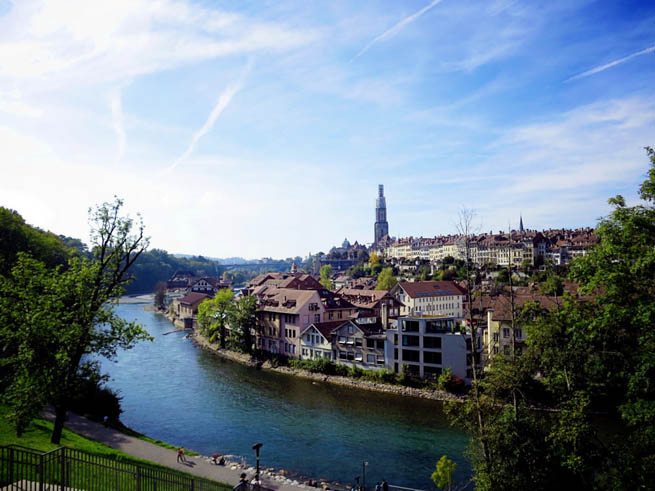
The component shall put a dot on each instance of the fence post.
(138, 478)
(11, 465)
(193, 482)
(41, 472)
(62, 480)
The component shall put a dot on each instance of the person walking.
(377, 486)
(385, 486)
(180, 455)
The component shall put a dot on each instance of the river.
(177, 392)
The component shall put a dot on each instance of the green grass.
(37, 436)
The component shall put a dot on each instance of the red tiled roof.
(192, 298)
(431, 288)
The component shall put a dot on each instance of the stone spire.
(381, 225)
(521, 224)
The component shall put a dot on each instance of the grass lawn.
(37, 436)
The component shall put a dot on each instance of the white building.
(425, 346)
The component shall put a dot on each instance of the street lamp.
(364, 464)
(256, 448)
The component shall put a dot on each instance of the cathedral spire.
(381, 225)
(521, 224)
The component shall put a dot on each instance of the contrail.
(224, 100)
(117, 120)
(395, 29)
(611, 64)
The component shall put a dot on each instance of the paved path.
(197, 465)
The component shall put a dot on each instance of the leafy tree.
(326, 280)
(243, 321)
(386, 279)
(58, 319)
(213, 315)
(442, 477)
(160, 295)
(373, 259)
(17, 236)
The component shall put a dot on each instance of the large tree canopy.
(54, 321)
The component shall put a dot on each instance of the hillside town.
(419, 325)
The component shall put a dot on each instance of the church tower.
(381, 225)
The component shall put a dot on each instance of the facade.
(282, 314)
(316, 340)
(186, 309)
(208, 286)
(430, 298)
(381, 224)
(361, 345)
(425, 346)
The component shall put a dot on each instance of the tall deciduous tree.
(243, 320)
(326, 280)
(386, 279)
(62, 318)
(213, 314)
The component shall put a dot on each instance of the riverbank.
(244, 359)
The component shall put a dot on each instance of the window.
(339, 315)
(505, 332)
(431, 343)
(380, 343)
(370, 343)
(518, 333)
(358, 342)
(434, 371)
(304, 351)
(351, 356)
(410, 326)
(342, 339)
(432, 357)
(351, 329)
(342, 355)
(351, 341)
(495, 337)
(358, 357)
(370, 358)
(317, 317)
(330, 315)
(380, 360)
(395, 339)
(410, 355)
(410, 340)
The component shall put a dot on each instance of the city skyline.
(263, 129)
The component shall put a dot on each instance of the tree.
(213, 314)
(442, 477)
(61, 318)
(373, 259)
(386, 279)
(160, 295)
(326, 280)
(243, 322)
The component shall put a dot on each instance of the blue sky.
(263, 128)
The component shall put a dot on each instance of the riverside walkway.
(197, 465)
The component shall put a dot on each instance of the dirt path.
(197, 465)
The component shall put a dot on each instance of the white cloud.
(601, 68)
(389, 33)
(117, 121)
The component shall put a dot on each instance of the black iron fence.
(67, 468)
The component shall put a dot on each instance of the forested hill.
(55, 250)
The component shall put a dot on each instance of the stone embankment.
(245, 359)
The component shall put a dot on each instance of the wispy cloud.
(223, 102)
(397, 28)
(611, 64)
(117, 121)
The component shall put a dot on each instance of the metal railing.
(67, 468)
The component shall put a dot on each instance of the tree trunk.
(222, 336)
(60, 417)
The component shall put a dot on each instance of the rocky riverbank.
(244, 359)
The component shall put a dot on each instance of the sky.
(263, 128)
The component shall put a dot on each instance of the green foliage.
(442, 477)
(52, 321)
(591, 355)
(17, 236)
(386, 280)
(213, 315)
(326, 280)
(242, 321)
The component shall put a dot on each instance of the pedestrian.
(215, 459)
(183, 455)
(180, 455)
(385, 486)
(377, 486)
